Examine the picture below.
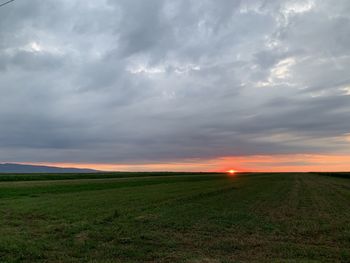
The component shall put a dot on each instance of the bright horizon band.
(261, 163)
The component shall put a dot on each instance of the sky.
(180, 85)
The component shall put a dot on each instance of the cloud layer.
(135, 81)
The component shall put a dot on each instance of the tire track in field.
(331, 194)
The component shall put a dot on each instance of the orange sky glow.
(263, 163)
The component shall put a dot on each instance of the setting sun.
(231, 172)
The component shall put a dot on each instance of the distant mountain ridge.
(25, 168)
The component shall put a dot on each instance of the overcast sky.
(157, 81)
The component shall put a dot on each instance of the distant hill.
(23, 168)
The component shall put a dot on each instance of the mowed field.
(175, 218)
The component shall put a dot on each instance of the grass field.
(175, 218)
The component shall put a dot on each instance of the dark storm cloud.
(137, 81)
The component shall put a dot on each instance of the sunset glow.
(254, 163)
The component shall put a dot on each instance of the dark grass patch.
(336, 174)
(4, 177)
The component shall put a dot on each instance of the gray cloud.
(137, 81)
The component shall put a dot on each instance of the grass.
(73, 176)
(176, 218)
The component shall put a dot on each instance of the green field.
(175, 218)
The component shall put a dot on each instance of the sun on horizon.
(231, 172)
